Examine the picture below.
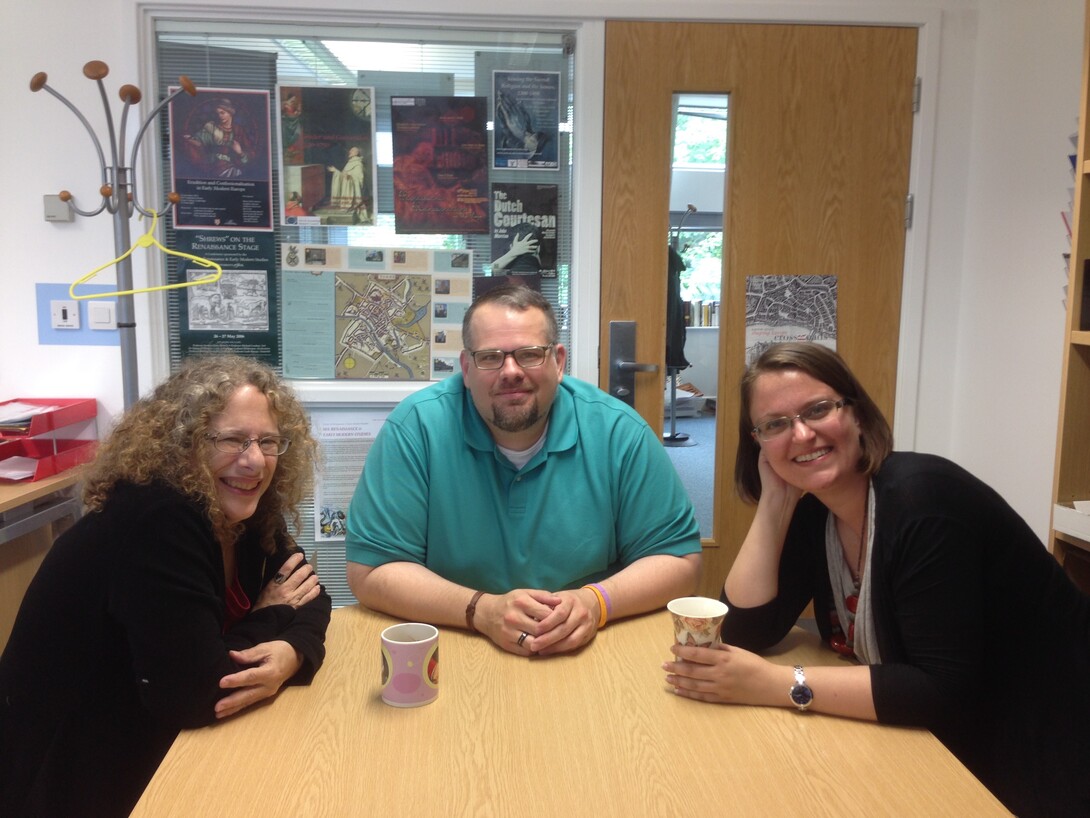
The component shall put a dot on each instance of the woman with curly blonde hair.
(178, 599)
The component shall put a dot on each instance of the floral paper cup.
(697, 620)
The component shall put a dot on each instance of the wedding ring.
(279, 579)
(522, 638)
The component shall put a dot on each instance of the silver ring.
(522, 638)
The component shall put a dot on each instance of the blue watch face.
(801, 695)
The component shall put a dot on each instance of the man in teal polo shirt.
(515, 502)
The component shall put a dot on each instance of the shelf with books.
(1069, 538)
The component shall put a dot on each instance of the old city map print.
(789, 308)
(383, 326)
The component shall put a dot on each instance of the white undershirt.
(520, 459)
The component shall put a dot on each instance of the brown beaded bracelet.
(471, 611)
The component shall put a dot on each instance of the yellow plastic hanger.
(149, 240)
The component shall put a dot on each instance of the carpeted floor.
(696, 464)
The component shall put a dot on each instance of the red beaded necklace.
(842, 643)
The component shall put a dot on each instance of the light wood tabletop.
(597, 734)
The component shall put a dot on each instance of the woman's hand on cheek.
(774, 487)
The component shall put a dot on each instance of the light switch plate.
(100, 315)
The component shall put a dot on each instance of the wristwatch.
(801, 694)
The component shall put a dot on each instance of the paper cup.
(697, 620)
(410, 664)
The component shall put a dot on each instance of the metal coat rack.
(119, 198)
(674, 437)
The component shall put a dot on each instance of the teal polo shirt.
(435, 490)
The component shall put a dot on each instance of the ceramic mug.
(410, 664)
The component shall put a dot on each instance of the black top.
(119, 643)
(675, 313)
(984, 640)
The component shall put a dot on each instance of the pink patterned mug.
(410, 664)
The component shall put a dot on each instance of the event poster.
(346, 436)
(393, 313)
(238, 313)
(440, 164)
(789, 308)
(327, 157)
(524, 229)
(220, 159)
(527, 120)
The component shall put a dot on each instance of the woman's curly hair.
(164, 438)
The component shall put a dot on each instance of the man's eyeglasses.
(270, 446)
(526, 357)
(812, 414)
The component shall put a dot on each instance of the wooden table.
(595, 734)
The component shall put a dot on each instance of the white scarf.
(840, 576)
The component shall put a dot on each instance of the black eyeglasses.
(270, 445)
(812, 414)
(526, 357)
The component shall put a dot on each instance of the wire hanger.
(149, 240)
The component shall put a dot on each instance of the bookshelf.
(1070, 532)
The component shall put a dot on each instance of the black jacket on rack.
(675, 313)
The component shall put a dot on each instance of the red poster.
(440, 164)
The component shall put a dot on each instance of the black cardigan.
(119, 643)
(983, 638)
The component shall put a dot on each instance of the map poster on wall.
(524, 229)
(236, 314)
(393, 313)
(527, 120)
(440, 164)
(789, 308)
(220, 160)
(327, 157)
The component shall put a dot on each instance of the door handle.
(632, 366)
(622, 369)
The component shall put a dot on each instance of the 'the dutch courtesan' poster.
(524, 229)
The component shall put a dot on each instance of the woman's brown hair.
(822, 364)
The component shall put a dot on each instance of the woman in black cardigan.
(948, 611)
(178, 599)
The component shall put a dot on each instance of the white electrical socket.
(64, 314)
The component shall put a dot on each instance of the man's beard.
(515, 418)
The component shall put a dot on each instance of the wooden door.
(819, 133)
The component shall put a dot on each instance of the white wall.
(990, 353)
(1007, 324)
